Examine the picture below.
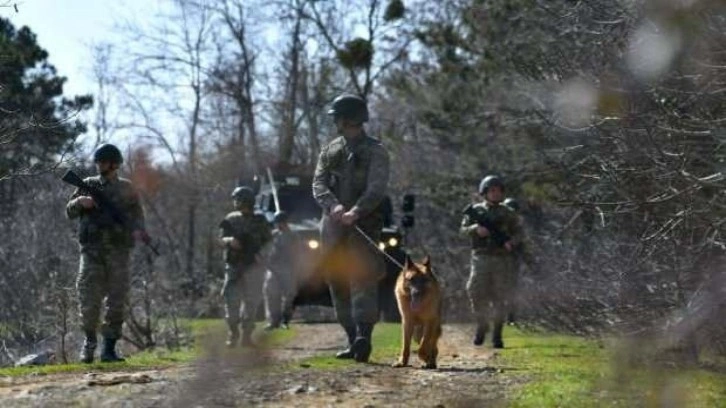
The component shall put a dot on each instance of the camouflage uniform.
(280, 281)
(492, 279)
(105, 252)
(244, 276)
(355, 175)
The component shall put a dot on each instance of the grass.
(547, 370)
(159, 358)
(567, 371)
(386, 341)
(144, 360)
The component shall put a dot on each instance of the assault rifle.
(105, 205)
(245, 255)
(498, 237)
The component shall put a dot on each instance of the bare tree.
(234, 78)
(104, 125)
(170, 66)
(365, 58)
(292, 87)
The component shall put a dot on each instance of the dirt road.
(467, 377)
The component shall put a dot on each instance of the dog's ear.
(427, 263)
(407, 263)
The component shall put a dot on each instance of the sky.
(66, 28)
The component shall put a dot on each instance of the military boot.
(108, 354)
(348, 352)
(286, 317)
(89, 348)
(232, 337)
(362, 345)
(481, 332)
(247, 338)
(497, 342)
(271, 326)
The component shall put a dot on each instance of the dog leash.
(375, 245)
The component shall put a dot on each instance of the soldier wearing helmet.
(350, 184)
(103, 275)
(280, 282)
(494, 231)
(244, 235)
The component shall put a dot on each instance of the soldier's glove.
(86, 202)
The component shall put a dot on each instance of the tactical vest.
(97, 227)
(349, 174)
(246, 229)
(499, 216)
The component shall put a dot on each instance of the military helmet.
(348, 106)
(280, 216)
(108, 153)
(511, 203)
(489, 181)
(244, 195)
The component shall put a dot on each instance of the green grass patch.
(200, 330)
(386, 341)
(139, 361)
(565, 371)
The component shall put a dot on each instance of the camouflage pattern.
(279, 293)
(493, 275)
(242, 292)
(104, 273)
(280, 285)
(253, 232)
(244, 275)
(491, 286)
(105, 253)
(354, 174)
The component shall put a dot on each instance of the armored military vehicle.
(294, 193)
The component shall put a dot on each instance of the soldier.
(244, 235)
(491, 282)
(280, 282)
(105, 252)
(349, 184)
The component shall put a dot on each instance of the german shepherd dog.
(418, 294)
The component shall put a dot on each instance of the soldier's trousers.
(354, 269)
(103, 280)
(242, 292)
(279, 291)
(491, 286)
